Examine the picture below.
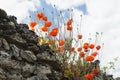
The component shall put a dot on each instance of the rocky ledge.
(22, 59)
(20, 56)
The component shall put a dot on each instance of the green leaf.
(82, 78)
(105, 68)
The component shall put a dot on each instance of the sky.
(98, 16)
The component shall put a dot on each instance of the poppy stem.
(81, 23)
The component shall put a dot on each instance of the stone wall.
(20, 56)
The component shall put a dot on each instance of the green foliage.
(111, 65)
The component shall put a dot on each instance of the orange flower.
(44, 29)
(95, 71)
(60, 49)
(79, 49)
(72, 49)
(33, 24)
(32, 28)
(79, 36)
(69, 27)
(48, 23)
(44, 18)
(91, 46)
(86, 45)
(61, 43)
(69, 21)
(89, 58)
(94, 54)
(54, 32)
(82, 54)
(98, 47)
(89, 76)
(39, 15)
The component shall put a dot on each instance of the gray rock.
(33, 78)
(40, 77)
(10, 32)
(0, 43)
(98, 78)
(5, 64)
(5, 44)
(28, 70)
(11, 24)
(32, 47)
(118, 78)
(17, 37)
(3, 14)
(43, 69)
(3, 55)
(15, 51)
(14, 77)
(6, 26)
(103, 76)
(2, 74)
(46, 56)
(29, 36)
(1, 33)
(109, 77)
(16, 67)
(28, 56)
(13, 19)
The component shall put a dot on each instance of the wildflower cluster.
(77, 59)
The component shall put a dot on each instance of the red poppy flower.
(33, 24)
(44, 29)
(54, 32)
(91, 46)
(98, 47)
(69, 27)
(39, 15)
(95, 71)
(82, 54)
(89, 76)
(86, 45)
(48, 23)
(44, 18)
(69, 21)
(61, 43)
(94, 54)
(89, 58)
(79, 49)
(79, 36)
(72, 49)
(60, 49)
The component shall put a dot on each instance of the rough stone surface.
(117, 78)
(20, 56)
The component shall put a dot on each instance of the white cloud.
(65, 4)
(103, 16)
(19, 8)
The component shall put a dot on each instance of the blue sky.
(98, 16)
